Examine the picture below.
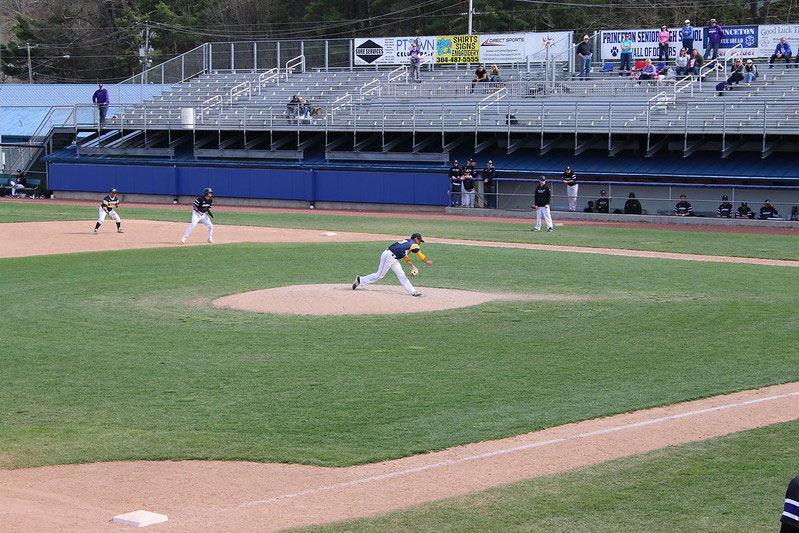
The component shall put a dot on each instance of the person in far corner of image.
(726, 209)
(570, 179)
(632, 206)
(768, 211)
(542, 197)
(683, 207)
(101, 100)
(744, 211)
(603, 202)
(455, 177)
(790, 515)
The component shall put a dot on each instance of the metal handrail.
(497, 95)
(273, 74)
(369, 87)
(397, 73)
(293, 63)
(209, 104)
(345, 98)
(238, 90)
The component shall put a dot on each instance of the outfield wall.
(291, 185)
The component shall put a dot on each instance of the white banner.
(769, 36)
(536, 45)
(495, 48)
(645, 43)
(392, 50)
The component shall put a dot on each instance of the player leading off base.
(108, 208)
(201, 212)
(390, 259)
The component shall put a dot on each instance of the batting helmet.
(207, 190)
(113, 190)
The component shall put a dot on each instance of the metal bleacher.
(379, 113)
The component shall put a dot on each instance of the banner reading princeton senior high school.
(744, 40)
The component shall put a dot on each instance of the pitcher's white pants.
(196, 217)
(547, 217)
(387, 260)
(112, 214)
(571, 192)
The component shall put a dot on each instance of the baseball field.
(119, 372)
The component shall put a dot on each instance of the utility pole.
(471, 10)
(30, 71)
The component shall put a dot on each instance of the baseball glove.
(414, 271)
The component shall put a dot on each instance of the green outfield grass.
(119, 355)
(712, 243)
(732, 483)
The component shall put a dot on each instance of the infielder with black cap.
(201, 212)
(108, 208)
(390, 259)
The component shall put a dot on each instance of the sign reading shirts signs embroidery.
(458, 49)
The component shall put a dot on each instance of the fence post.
(723, 127)
(351, 47)
(765, 110)
(210, 57)
(255, 56)
(326, 54)
(232, 57)
(277, 55)
(182, 67)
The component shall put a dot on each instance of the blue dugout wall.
(382, 187)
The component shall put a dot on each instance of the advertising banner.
(458, 49)
(769, 35)
(745, 38)
(392, 50)
(536, 45)
(495, 48)
(645, 43)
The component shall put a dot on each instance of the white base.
(140, 518)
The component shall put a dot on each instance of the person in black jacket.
(455, 174)
(489, 186)
(603, 203)
(790, 514)
(744, 211)
(468, 192)
(768, 211)
(201, 212)
(725, 210)
(543, 195)
(632, 206)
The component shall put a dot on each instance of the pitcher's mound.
(371, 300)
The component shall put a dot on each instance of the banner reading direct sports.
(486, 48)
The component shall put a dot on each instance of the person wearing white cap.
(585, 53)
(750, 72)
(543, 195)
(687, 36)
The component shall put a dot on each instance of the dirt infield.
(375, 300)
(240, 496)
(237, 496)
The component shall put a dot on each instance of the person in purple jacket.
(714, 35)
(101, 100)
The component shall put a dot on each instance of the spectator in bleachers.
(714, 35)
(781, 51)
(683, 208)
(744, 211)
(626, 55)
(768, 211)
(687, 36)
(695, 62)
(667, 76)
(736, 73)
(415, 58)
(648, 72)
(570, 179)
(101, 99)
(663, 43)
(489, 185)
(603, 203)
(632, 206)
(682, 62)
(467, 186)
(495, 76)
(480, 76)
(455, 175)
(750, 72)
(725, 210)
(585, 52)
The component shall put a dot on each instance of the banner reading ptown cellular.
(392, 50)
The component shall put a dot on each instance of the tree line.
(109, 40)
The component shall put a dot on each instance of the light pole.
(471, 10)
(30, 71)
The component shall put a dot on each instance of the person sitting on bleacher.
(725, 209)
(750, 72)
(667, 76)
(683, 208)
(744, 211)
(782, 51)
(768, 211)
(648, 72)
(17, 183)
(632, 206)
(737, 74)
(682, 62)
(480, 76)
(695, 62)
(495, 75)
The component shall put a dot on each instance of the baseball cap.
(768, 201)
(602, 191)
(417, 236)
(748, 61)
(724, 197)
(542, 178)
(113, 190)
(586, 37)
(687, 21)
(712, 20)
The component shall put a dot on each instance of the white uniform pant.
(15, 187)
(387, 260)
(196, 217)
(547, 217)
(571, 192)
(112, 214)
(468, 198)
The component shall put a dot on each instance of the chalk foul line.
(515, 449)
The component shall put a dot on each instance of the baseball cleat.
(357, 282)
(211, 241)
(416, 293)
(550, 229)
(94, 232)
(536, 229)
(120, 230)
(183, 240)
